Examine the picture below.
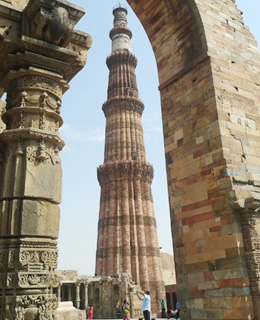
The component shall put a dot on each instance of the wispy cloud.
(153, 128)
(68, 132)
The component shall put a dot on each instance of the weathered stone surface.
(21, 4)
(207, 313)
(209, 83)
(33, 42)
(105, 293)
(126, 217)
(66, 311)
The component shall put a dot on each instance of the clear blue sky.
(84, 126)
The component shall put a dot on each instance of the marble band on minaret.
(127, 231)
(120, 34)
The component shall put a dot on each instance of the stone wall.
(208, 65)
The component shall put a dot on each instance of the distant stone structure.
(107, 293)
(127, 231)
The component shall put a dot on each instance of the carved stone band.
(125, 251)
(121, 57)
(128, 169)
(126, 220)
(116, 104)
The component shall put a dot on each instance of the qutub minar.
(127, 231)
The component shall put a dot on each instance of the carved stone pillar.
(59, 292)
(69, 292)
(77, 295)
(101, 285)
(42, 53)
(250, 222)
(248, 212)
(86, 293)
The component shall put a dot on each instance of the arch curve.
(208, 66)
(175, 31)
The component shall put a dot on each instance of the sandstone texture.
(127, 231)
(208, 64)
(41, 52)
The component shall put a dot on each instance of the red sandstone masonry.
(208, 92)
(127, 217)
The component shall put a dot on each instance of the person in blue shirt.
(177, 310)
(146, 304)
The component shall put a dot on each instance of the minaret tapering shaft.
(127, 232)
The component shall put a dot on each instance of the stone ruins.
(209, 66)
(107, 293)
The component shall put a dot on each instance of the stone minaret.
(127, 232)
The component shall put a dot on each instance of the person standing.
(87, 308)
(146, 304)
(90, 312)
(126, 310)
(177, 310)
(163, 306)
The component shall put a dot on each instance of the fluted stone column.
(126, 218)
(42, 53)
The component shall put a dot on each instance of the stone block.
(207, 314)
(66, 311)
(231, 263)
(232, 273)
(238, 313)
(40, 218)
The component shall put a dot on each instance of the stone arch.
(205, 109)
(209, 93)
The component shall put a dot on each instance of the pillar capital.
(42, 35)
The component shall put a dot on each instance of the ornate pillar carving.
(250, 222)
(248, 210)
(42, 53)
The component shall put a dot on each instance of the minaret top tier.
(120, 34)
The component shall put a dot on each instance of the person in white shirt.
(146, 304)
